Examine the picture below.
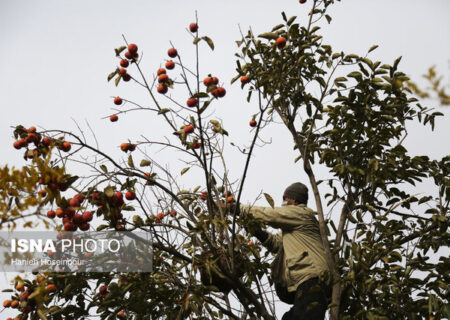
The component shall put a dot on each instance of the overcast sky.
(56, 55)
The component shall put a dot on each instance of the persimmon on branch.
(189, 230)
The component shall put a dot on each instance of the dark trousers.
(310, 303)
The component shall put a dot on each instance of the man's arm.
(268, 240)
(278, 217)
(271, 242)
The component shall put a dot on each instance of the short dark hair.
(298, 192)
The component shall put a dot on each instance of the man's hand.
(229, 207)
(252, 228)
(257, 232)
(260, 234)
(223, 205)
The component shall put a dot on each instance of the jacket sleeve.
(285, 218)
(273, 243)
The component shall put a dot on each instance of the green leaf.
(145, 163)
(269, 35)
(185, 170)
(373, 48)
(235, 78)
(104, 169)
(119, 50)
(109, 191)
(277, 27)
(367, 61)
(71, 180)
(130, 161)
(328, 18)
(209, 42)
(163, 111)
(308, 110)
(101, 227)
(117, 80)
(112, 74)
(321, 81)
(249, 96)
(425, 199)
(299, 61)
(352, 56)
(201, 95)
(314, 29)
(7, 290)
(55, 310)
(396, 62)
(340, 79)
(67, 289)
(355, 74)
(395, 256)
(41, 314)
(373, 163)
(269, 199)
(360, 219)
(352, 218)
(335, 55)
(205, 105)
(291, 20)
(197, 40)
(137, 220)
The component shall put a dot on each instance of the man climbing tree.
(299, 270)
(347, 116)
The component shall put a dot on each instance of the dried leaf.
(373, 48)
(130, 161)
(209, 42)
(163, 111)
(269, 200)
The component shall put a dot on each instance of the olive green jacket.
(304, 255)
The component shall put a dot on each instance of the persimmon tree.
(345, 113)
(204, 260)
(350, 115)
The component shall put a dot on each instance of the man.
(299, 267)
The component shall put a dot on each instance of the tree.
(436, 89)
(205, 267)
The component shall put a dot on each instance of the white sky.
(56, 55)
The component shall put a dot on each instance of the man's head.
(296, 193)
